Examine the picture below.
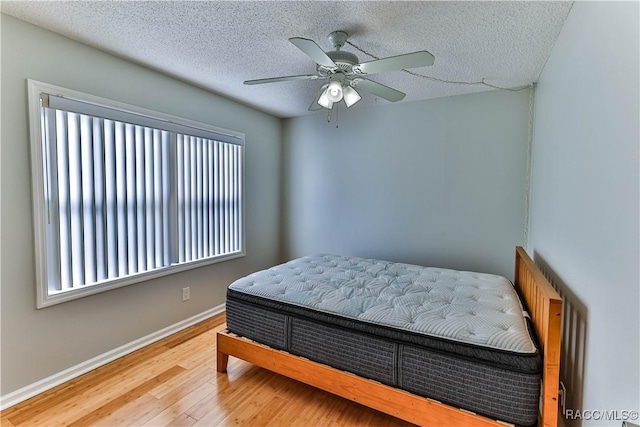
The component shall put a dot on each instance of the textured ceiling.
(219, 44)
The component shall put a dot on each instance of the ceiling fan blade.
(378, 89)
(314, 104)
(282, 79)
(400, 62)
(313, 50)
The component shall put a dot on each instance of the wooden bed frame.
(542, 302)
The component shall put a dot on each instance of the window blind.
(126, 195)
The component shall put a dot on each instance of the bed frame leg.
(222, 359)
(221, 362)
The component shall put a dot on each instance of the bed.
(427, 345)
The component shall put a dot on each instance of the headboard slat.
(545, 307)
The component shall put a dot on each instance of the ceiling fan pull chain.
(337, 108)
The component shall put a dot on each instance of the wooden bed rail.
(545, 308)
(390, 400)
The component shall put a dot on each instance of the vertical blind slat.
(99, 198)
(111, 200)
(231, 198)
(240, 197)
(88, 200)
(223, 198)
(181, 202)
(187, 199)
(216, 195)
(141, 194)
(130, 189)
(232, 204)
(149, 198)
(75, 198)
(198, 171)
(63, 201)
(212, 205)
(168, 164)
(158, 196)
(234, 181)
(205, 198)
(110, 192)
(226, 198)
(193, 196)
(50, 135)
(121, 199)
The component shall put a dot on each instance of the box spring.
(489, 382)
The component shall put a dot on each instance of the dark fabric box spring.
(492, 383)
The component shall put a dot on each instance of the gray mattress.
(457, 337)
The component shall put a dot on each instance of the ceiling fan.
(345, 73)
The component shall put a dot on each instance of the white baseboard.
(48, 383)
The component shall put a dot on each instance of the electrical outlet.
(186, 293)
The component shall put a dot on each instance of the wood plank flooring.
(173, 382)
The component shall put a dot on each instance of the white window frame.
(38, 91)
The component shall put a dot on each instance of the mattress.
(458, 337)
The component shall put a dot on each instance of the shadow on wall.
(574, 333)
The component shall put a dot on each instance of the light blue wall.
(439, 182)
(585, 186)
(39, 343)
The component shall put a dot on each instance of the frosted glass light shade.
(334, 91)
(324, 100)
(350, 96)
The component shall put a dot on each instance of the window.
(123, 194)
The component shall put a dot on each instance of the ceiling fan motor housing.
(342, 58)
(344, 63)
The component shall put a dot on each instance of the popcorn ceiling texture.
(219, 44)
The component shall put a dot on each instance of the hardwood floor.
(173, 382)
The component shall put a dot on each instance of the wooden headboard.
(545, 307)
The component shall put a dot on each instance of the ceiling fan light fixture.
(350, 96)
(334, 92)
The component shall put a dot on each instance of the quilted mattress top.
(466, 307)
